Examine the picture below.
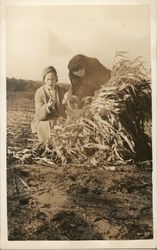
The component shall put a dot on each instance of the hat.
(48, 70)
(77, 62)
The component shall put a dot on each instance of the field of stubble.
(46, 202)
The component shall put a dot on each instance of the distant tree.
(14, 84)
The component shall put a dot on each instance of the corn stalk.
(109, 128)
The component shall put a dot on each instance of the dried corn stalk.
(108, 130)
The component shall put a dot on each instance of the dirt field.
(75, 202)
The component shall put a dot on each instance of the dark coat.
(96, 74)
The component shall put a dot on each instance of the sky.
(39, 36)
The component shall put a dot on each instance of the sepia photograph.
(79, 151)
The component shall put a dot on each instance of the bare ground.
(77, 202)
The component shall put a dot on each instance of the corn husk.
(109, 130)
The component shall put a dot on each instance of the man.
(87, 74)
(49, 105)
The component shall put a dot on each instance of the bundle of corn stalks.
(109, 130)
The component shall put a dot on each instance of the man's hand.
(50, 104)
(52, 100)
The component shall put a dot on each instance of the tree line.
(14, 84)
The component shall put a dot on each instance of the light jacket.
(45, 118)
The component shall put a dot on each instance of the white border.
(3, 228)
(154, 111)
(5, 244)
(79, 2)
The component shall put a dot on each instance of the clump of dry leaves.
(109, 130)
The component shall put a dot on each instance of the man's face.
(50, 80)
